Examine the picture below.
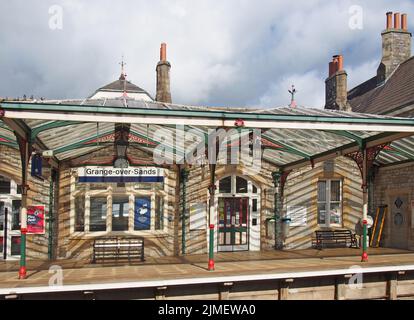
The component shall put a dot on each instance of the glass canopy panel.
(68, 135)
(279, 157)
(405, 145)
(384, 158)
(153, 133)
(305, 142)
(77, 152)
(33, 123)
(310, 142)
(399, 150)
(6, 135)
(362, 134)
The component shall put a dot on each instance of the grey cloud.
(233, 53)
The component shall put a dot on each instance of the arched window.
(235, 184)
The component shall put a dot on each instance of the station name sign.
(110, 174)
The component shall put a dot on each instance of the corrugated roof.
(141, 104)
(121, 85)
(283, 146)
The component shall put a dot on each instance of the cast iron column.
(211, 190)
(277, 182)
(51, 213)
(25, 153)
(184, 179)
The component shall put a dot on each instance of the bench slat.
(118, 248)
(334, 237)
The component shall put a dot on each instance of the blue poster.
(142, 215)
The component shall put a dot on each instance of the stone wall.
(396, 48)
(388, 184)
(197, 191)
(79, 245)
(301, 190)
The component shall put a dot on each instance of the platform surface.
(195, 266)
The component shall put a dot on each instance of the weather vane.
(123, 77)
(122, 64)
(292, 93)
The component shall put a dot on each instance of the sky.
(223, 53)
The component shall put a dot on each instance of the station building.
(319, 167)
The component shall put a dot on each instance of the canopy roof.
(291, 137)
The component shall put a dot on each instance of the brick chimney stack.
(163, 77)
(336, 91)
(396, 45)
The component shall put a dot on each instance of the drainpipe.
(184, 178)
(364, 257)
(370, 178)
(177, 210)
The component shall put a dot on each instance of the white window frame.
(110, 192)
(8, 200)
(328, 223)
(253, 231)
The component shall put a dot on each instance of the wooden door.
(399, 220)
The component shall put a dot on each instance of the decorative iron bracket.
(372, 153)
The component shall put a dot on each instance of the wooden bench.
(335, 238)
(118, 248)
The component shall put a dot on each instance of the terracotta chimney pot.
(389, 20)
(163, 52)
(397, 21)
(404, 24)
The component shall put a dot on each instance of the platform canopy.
(291, 137)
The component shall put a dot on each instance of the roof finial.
(292, 100)
(122, 64)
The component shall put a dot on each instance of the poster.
(198, 214)
(298, 216)
(36, 219)
(142, 214)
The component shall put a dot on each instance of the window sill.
(332, 226)
(93, 235)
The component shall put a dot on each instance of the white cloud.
(233, 52)
(309, 87)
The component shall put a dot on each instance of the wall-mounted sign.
(298, 216)
(36, 219)
(142, 214)
(36, 167)
(122, 175)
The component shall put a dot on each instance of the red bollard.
(211, 249)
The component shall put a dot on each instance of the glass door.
(9, 228)
(233, 224)
(10, 203)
